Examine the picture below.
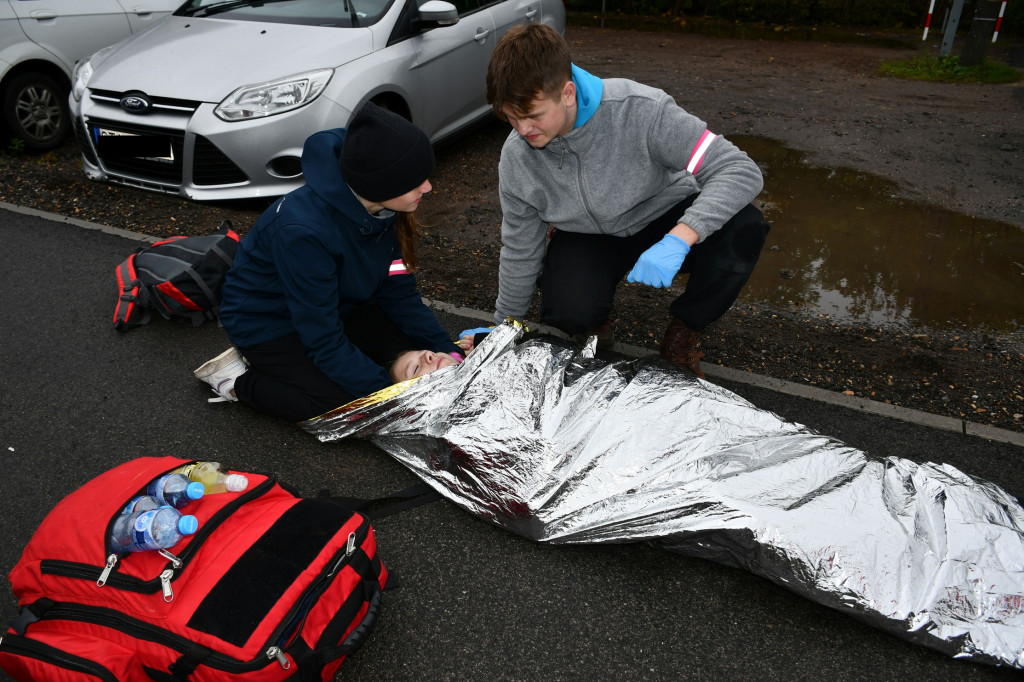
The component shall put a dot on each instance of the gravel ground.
(821, 98)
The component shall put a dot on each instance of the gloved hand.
(474, 331)
(659, 264)
(468, 336)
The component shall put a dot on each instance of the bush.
(882, 14)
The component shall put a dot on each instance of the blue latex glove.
(468, 337)
(659, 264)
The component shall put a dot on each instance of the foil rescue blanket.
(548, 442)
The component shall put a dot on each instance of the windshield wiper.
(350, 5)
(226, 7)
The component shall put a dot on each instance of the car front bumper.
(207, 158)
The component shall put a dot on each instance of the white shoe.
(221, 373)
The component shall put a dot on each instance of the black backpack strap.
(133, 298)
(193, 656)
(229, 259)
(200, 316)
(29, 614)
(405, 499)
(380, 507)
(223, 255)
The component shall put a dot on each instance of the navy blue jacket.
(311, 258)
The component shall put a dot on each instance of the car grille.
(155, 170)
(165, 104)
(211, 167)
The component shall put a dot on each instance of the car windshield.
(341, 13)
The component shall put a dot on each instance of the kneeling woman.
(320, 297)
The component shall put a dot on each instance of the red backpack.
(271, 585)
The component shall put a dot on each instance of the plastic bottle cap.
(195, 490)
(235, 483)
(188, 524)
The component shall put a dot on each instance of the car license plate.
(117, 143)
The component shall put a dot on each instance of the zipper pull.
(165, 584)
(111, 562)
(350, 547)
(275, 652)
(175, 561)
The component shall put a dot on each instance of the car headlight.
(275, 97)
(82, 72)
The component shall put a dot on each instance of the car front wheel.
(35, 110)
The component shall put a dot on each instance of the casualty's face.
(416, 363)
(546, 118)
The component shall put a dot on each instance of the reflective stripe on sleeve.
(398, 268)
(698, 151)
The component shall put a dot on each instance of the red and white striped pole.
(999, 21)
(928, 21)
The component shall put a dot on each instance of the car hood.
(207, 59)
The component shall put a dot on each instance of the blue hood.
(588, 94)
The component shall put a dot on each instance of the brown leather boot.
(680, 347)
(604, 333)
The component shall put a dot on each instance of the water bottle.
(175, 490)
(159, 528)
(213, 477)
(141, 503)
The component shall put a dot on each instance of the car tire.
(35, 109)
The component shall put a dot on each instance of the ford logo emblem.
(136, 103)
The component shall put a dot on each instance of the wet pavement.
(476, 603)
(853, 250)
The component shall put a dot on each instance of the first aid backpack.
(271, 586)
(179, 278)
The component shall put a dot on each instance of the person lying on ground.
(539, 437)
(321, 293)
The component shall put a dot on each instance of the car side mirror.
(438, 13)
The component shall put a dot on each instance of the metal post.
(982, 27)
(928, 22)
(999, 21)
(950, 34)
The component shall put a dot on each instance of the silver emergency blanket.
(540, 438)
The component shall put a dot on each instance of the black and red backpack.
(272, 586)
(180, 277)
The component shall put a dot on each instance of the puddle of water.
(842, 245)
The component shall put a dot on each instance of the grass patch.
(950, 70)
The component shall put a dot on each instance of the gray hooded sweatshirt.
(637, 155)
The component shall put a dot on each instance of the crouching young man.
(630, 182)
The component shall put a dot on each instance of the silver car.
(40, 41)
(221, 95)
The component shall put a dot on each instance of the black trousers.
(581, 271)
(283, 381)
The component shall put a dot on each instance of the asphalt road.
(476, 603)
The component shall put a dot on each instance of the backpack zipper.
(107, 575)
(293, 623)
(29, 648)
(290, 627)
(115, 620)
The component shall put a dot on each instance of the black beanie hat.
(384, 155)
